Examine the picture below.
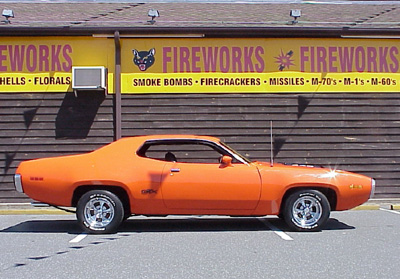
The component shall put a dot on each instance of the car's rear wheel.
(306, 210)
(100, 211)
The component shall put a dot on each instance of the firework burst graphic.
(284, 60)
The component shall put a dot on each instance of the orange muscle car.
(186, 175)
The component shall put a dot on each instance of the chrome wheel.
(99, 212)
(307, 211)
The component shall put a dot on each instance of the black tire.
(306, 210)
(99, 211)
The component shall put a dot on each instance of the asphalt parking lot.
(354, 244)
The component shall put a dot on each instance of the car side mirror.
(226, 161)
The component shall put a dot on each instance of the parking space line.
(277, 231)
(79, 238)
(391, 211)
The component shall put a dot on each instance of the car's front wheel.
(100, 211)
(306, 210)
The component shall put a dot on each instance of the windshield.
(237, 155)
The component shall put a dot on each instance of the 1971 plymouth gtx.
(187, 175)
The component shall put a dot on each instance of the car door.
(210, 186)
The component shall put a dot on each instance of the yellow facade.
(201, 65)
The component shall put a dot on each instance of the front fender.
(350, 189)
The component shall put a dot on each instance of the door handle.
(175, 170)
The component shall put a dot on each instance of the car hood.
(309, 175)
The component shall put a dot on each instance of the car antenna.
(272, 149)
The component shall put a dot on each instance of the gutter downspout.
(117, 88)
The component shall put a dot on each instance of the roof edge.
(208, 32)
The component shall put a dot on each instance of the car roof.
(137, 141)
(171, 137)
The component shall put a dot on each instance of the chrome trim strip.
(18, 183)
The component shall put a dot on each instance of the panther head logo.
(144, 59)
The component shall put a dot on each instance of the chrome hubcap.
(99, 212)
(307, 211)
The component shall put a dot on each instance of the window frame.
(220, 147)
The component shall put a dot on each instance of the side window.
(182, 152)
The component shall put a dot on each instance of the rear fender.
(120, 191)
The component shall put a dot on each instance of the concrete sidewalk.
(27, 208)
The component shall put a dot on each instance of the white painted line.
(277, 231)
(391, 211)
(79, 238)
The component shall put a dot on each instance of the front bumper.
(18, 183)
(373, 185)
